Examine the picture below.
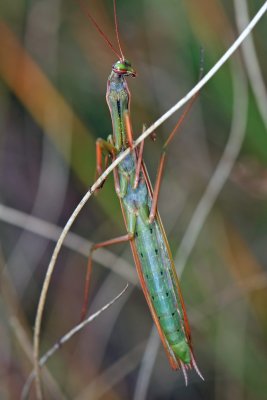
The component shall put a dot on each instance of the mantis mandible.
(145, 232)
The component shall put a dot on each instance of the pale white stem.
(64, 339)
(178, 105)
(221, 173)
(251, 60)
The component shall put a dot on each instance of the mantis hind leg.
(117, 240)
(139, 155)
(120, 239)
(154, 204)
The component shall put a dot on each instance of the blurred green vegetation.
(53, 72)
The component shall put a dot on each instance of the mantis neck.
(118, 99)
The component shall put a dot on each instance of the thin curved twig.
(106, 325)
(251, 60)
(19, 326)
(222, 172)
(25, 343)
(100, 180)
(64, 339)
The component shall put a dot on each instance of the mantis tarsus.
(145, 232)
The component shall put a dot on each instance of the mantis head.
(123, 67)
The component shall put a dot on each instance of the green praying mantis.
(145, 232)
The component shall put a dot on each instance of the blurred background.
(53, 71)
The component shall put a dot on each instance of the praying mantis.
(142, 182)
(145, 232)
